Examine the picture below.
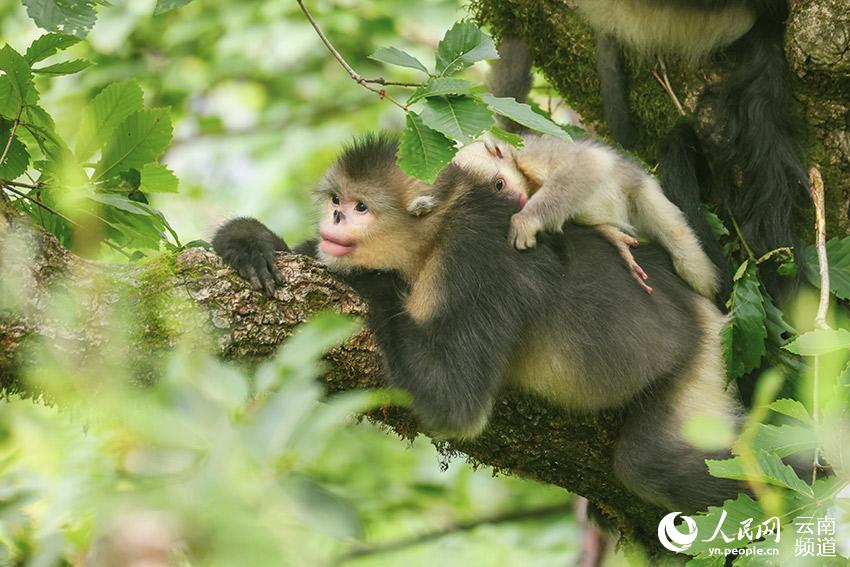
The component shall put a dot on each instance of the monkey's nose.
(337, 217)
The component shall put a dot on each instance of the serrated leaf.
(439, 86)
(423, 152)
(770, 470)
(140, 139)
(783, 440)
(740, 509)
(791, 408)
(156, 178)
(460, 118)
(743, 337)
(462, 46)
(49, 44)
(838, 255)
(163, 6)
(70, 16)
(523, 114)
(513, 139)
(397, 57)
(717, 227)
(17, 72)
(778, 329)
(10, 103)
(64, 68)
(17, 159)
(820, 341)
(105, 112)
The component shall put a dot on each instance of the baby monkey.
(555, 181)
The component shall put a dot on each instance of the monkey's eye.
(500, 184)
(361, 207)
(334, 198)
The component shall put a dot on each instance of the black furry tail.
(761, 173)
(685, 176)
(510, 76)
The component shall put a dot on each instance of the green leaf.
(49, 44)
(460, 118)
(439, 86)
(717, 227)
(17, 159)
(156, 178)
(399, 58)
(744, 335)
(140, 139)
(778, 329)
(105, 112)
(18, 74)
(820, 341)
(423, 152)
(10, 103)
(791, 408)
(838, 254)
(64, 68)
(523, 114)
(783, 440)
(771, 470)
(163, 6)
(70, 16)
(509, 137)
(462, 46)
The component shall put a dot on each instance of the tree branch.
(348, 68)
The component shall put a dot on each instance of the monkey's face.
(364, 224)
(495, 164)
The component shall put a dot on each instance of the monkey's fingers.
(249, 273)
(271, 262)
(639, 276)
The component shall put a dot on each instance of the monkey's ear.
(493, 147)
(422, 205)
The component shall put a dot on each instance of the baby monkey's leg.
(624, 243)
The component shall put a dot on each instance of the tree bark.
(526, 437)
(818, 51)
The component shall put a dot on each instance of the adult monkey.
(760, 173)
(458, 312)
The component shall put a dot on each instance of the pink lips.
(520, 199)
(335, 246)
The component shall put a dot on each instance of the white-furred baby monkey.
(588, 183)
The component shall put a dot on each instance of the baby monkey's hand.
(523, 231)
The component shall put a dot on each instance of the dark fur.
(511, 76)
(759, 140)
(573, 289)
(613, 82)
(684, 171)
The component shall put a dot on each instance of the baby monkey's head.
(495, 162)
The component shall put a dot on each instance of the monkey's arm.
(610, 65)
(454, 362)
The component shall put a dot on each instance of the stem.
(740, 234)
(664, 81)
(817, 191)
(463, 526)
(382, 81)
(11, 136)
(354, 74)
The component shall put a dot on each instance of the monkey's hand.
(624, 243)
(523, 231)
(249, 247)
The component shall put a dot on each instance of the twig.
(544, 512)
(382, 81)
(664, 81)
(24, 185)
(6, 185)
(816, 189)
(11, 136)
(354, 74)
(740, 234)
